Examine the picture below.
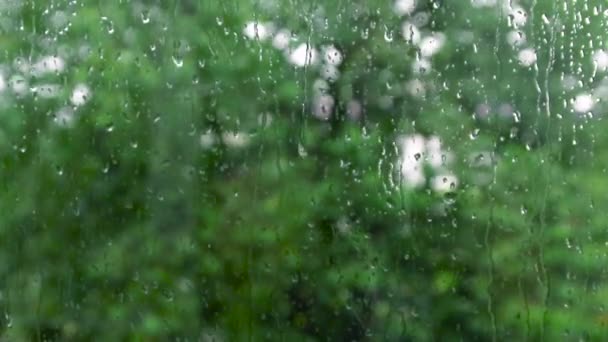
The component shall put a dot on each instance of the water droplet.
(365, 33)
(449, 198)
(145, 16)
(302, 151)
(179, 62)
(474, 134)
(388, 34)
(108, 24)
(9, 320)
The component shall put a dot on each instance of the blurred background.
(363, 170)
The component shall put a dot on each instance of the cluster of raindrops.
(417, 152)
(300, 54)
(582, 98)
(585, 100)
(426, 42)
(26, 77)
(588, 91)
(323, 103)
(517, 19)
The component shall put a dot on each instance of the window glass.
(364, 170)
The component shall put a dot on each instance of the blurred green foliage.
(119, 225)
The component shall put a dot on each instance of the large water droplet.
(475, 134)
(108, 24)
(145, 16)
(179, 62)
(388, 34)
